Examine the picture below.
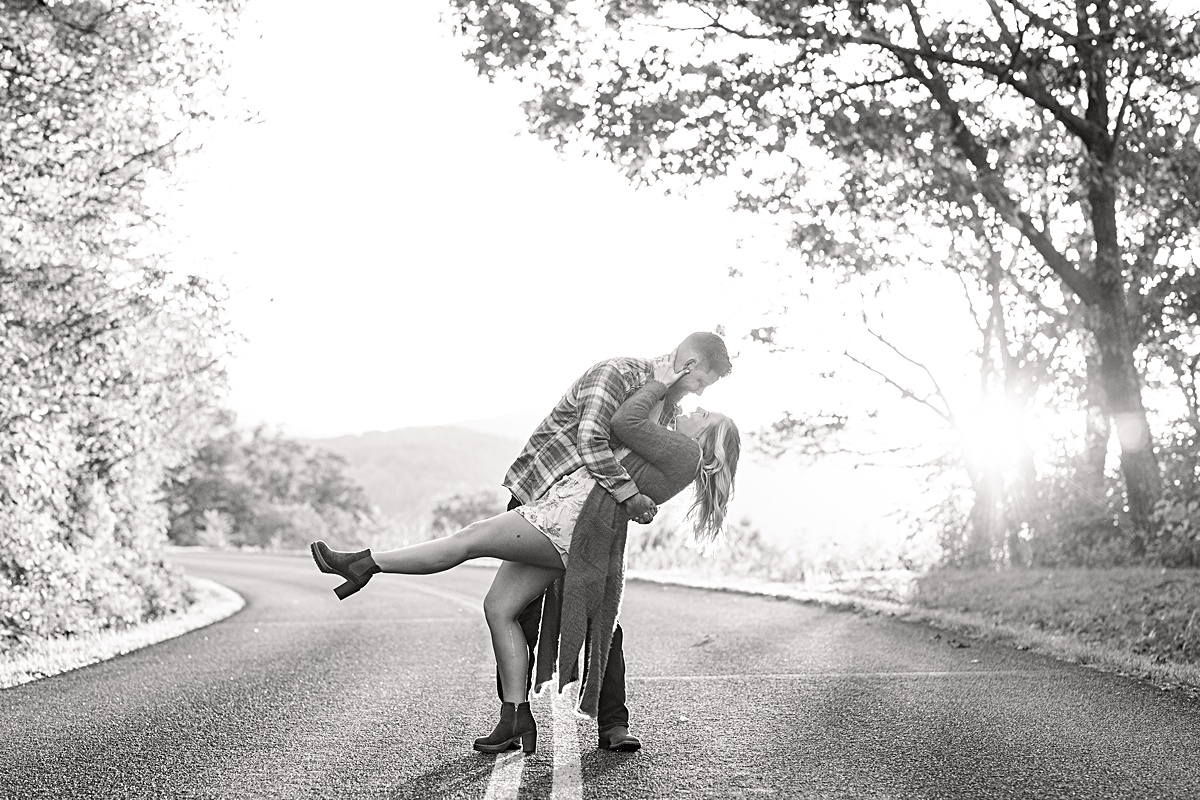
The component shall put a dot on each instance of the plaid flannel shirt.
(576, 433)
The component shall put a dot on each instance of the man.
(575, 434)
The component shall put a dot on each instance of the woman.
(535, 540)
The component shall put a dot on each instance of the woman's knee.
(499, 607)
(466, 543)
(473, 539)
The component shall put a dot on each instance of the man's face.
(695, 382)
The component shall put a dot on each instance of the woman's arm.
(664, 461)
(632, 424)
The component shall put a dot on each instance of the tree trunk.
(1021, 484)
(1122, 384)
(1115, 337)
(1021, 496)
(983, 523)
(1122, 387)
(1089, 477)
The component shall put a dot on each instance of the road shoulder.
(965, 627)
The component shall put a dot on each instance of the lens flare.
(998, 437)
(1132, 433)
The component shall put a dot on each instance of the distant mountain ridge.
(406, 471)
(517, 425)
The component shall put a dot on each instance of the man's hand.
(640, 508)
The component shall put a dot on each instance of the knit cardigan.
(582, 606)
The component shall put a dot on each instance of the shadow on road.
(449, 778)
(602, 762)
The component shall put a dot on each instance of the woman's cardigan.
(582, 605)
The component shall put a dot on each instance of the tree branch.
(1004, 74)
(905, 392)
(1005, 33)
(141, 156)
(1126, 102)
(991, 186)
(966, 290)
(1044, 22)
(878, 81)
(937, 388)
(741, 34)
(1036, 299)
(90, 28)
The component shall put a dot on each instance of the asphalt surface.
(300, 695)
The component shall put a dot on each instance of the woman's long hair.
(720, 446)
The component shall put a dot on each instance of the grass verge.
(1141, 622)
(213, 603)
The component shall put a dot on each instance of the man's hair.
(710, 349)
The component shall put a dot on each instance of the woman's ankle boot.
(356, 568)
(516, 722)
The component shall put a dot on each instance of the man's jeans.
(612, 710)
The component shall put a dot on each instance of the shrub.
(743, 552)
(1175, 540)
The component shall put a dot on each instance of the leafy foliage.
(458, 511)
(109, 366)
(789, 434)
(743, 551)
(266, 490)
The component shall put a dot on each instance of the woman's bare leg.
(507, 536)
(514, 587)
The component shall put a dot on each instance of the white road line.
(466, 602)
(568, 783)
(802, 675)
(506, 776)
(505, 780)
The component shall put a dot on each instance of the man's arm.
(600, 393)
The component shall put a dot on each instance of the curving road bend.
(302, 696)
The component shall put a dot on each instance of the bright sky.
(401, 252)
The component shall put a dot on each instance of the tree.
(204, 499)
(1068, 128)
(110, 367)
(457, 511)
(266, 490)
(983, 468)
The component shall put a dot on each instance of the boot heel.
(346, 589)
(355, 568)
(516, 727)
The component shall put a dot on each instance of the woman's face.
(695, 423)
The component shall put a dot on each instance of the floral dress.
(555, 512)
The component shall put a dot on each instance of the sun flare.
(1005, 435)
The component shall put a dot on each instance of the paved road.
(299, 695)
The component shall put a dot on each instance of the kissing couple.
(612, 450)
